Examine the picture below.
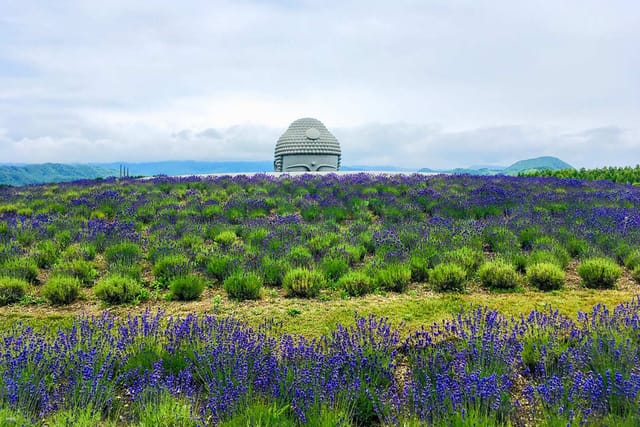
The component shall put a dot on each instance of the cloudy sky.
(413, 83)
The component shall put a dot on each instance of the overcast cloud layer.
(431, 83)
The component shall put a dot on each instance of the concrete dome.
(307, 145)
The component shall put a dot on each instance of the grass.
(313, 317)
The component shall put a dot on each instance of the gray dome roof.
(307, 136)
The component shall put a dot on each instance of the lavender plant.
(498, 274)
(599, 273)
(448, 277)
(243, 286)
(303, 283)
(476, 367)
(186, 288)
(11, 290)
(545, 276)
(61, 289)
(118, 289)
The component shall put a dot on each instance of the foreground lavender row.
(478, 368)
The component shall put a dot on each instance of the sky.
(408, 83)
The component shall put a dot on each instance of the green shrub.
(11, 290)
(117, 289)
(394, 277)
(300, 256)
(448, 277)
(500, 239)
(5, 233)
(303, 283)
(577, 248)
(8, 251)
(334, 267)
(211, 211)
(86, 251)
(78, 268)
(636, 274)
(632, 260)
(356, 283)
(528, 236)
(257, 236)
(125, 253)
(221, 266)
(467, 258)
(61, 290)
(367, 242)
(519, 261)
(600, 273)
(243, 286)
(25, 236)
(419, 269)
(545, 276)
(354, 253)
(310, 213)
(273, 270)
(554, 247)
(421, 262)
(498, 274)
(133, 271)
(21, 268)
(320, 243)
(46, 253)
(562, 255)
(186, 288)
(226, 238)
(191, 242)
(334, 214)
(170, 266)
(621, 252)
(540, 256)
(63, 238)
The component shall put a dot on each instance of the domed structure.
(307, 146)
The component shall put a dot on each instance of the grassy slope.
(314, 317)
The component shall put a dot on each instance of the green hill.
(50, 172)
(538, 163)
(521, 166)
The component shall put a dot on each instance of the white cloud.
(449, 83)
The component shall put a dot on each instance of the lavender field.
(128, 244)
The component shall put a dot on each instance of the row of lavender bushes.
(356, 234)
(478, 368)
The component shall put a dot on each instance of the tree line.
(623, 175)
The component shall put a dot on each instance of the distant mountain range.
(17, 175)
(21, 174)
(521, 166)
(188, 167)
